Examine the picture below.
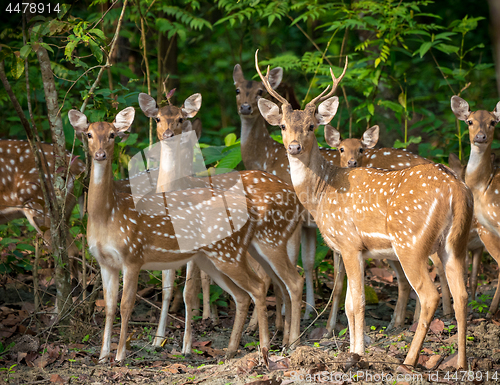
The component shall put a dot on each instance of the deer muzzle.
(100, 155)
(168, 134)
(294, 148)
(352, 163)
(480, 137)
(245, 109)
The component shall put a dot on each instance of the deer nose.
(246, 109)
(100, 155)
(294, 148)
(168, 134)
(480, 137)
(352, 163)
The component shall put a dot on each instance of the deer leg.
(286, 278)
(308, 255)
(415, 268)
(476, 259)
(188, 293)
(130, 279)
(454, 265)
(252, 325)
(355, 299)
(205, 288)
(196, 277)
(110, 290)
(445, 289)
(399, 316)
(339, 271)
(168, 278)
(492, 244)
(240, 297)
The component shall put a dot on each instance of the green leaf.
(17, 67)
(25, 51)
(64, 8)
(230, 139)
(377, 62)
(98, 33)
(446, 48)
(96, 50)
(425, 47)
(131, 140)
(25, 247)
(371, 108)
(231, 160)
(68, 50)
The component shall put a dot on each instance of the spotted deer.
(401, 215)
(170, 121)
(259, 151)
(21, 192)
(355, 152)
(483, 178)
(251, 182)
(121, 237)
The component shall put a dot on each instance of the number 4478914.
(32, 8)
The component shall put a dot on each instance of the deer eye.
(157, 120)
(360, 150)
(180, 120)
(237, 91)
(282, 126)
(89, 135)
(341, 149)
(493, 123)
(469, 122)
(112, 135)
(260, 92)
(311, 127)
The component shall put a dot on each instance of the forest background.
(406, 60)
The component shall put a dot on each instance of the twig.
(104, 15)
(108, 63)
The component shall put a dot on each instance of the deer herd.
(366, 202)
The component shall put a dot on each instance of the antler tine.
(265, 81)
(336, 82)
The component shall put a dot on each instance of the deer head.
(170, 120)
(297, 126)
(351, 150)
(248, 92)
(481, 123)
(102, 135)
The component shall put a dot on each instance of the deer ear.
(275, 77)
(370, 137)
(460, 108)
(332, 136)
(270, 111)
(124, 120)
(455, 163)
(78, 120)
(148, 105)
(191, 106)
(327, 110)
(238, 74)
(496, 112)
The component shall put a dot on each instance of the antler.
(265, 80)
(336, 82)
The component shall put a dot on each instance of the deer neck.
(101, 198)
(479, 168)
(255, 139)
(310, 177)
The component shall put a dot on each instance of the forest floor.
(69, 355)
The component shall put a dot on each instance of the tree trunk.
(57, 221)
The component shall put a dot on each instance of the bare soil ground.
(69, 355)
